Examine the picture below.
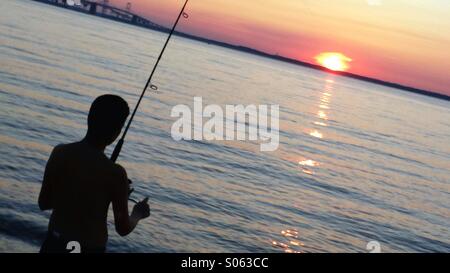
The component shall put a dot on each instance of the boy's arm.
(45, 196)
(124, 222)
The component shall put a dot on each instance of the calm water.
(357, 162)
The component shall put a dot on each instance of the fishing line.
(119, 145)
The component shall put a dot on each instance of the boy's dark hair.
(106, 117)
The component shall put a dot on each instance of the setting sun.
(333, 61)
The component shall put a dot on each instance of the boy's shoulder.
(58, 150)
(64, 146)
(119, 170)
(102, 158)
(80, 150)
(62, 151)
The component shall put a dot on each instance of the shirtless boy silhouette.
(80, 182)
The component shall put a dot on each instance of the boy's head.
(106, 118)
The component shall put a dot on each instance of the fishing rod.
(119, 145)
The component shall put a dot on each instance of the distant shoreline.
(266, 55)
(318, 67)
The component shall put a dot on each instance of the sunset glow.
(333, 61)
(398, 41)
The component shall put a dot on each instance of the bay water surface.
(356, 162)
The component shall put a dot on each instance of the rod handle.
(117, 150)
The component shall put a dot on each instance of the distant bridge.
(102, 9)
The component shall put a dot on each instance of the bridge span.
(103, 9)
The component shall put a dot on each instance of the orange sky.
(403, 41)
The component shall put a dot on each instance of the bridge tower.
(105, 3)
(93, 8)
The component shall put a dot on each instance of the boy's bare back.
(83, 182)
(80, 182)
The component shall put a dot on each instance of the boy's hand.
(141, 210)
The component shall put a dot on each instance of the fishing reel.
(130, 191)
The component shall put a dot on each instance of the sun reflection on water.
(324, 105)
(308, 162)
(307, 171)
(325, 100)
(307, 165)
(320, 123)
(289, 242)
(321, 114)
(316, 133)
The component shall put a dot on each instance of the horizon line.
(249, 50)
